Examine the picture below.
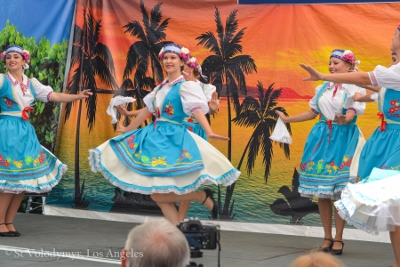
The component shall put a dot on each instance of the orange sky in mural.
(277, 37)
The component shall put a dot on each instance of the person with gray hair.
(156, 244)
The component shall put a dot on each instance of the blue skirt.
(382, 150)
(328, 157)
(161, 159)
(24, 164)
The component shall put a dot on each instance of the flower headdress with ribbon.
(346, 56)
(17, 49)
(194, 63)
(182, 52)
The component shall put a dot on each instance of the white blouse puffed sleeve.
(386, 77)
(350, 104)
(313, 101)
(43, 92)
(148, 100)
(193, 98)
(209, 89)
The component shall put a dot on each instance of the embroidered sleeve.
(49, 95)
(372, 77)
(352, 109)
(43, 92)
(315, 111)
(386, 77)
(193, 98)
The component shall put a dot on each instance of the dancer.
(331, 146)
(25, 166)
(373, 204)
(164, 159)
(192, 72)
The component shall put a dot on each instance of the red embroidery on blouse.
(24, 87)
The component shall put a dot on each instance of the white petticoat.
(374, 205)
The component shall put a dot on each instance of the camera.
(198, 235)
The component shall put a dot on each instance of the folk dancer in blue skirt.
(192, 72)
(25, 166)
(332, 147)
(373, 204)
(164, 159)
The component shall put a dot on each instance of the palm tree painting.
(295, 206)
(142, 57)
(91, 59)
(227, 66)
(260, 115)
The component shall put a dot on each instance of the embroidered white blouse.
(331, 105)
(22, 94)
(192, 96)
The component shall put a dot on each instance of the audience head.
(156, 244)
(317, 259)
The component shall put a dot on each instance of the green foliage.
(48, 66)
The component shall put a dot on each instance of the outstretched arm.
(201, 118)
(123, 111)
(144, 113)
(361, 78)
(62, 97)
(305, 116)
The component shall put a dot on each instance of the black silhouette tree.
(260, 115)
(295, 206)
(228, 67)
(90, 59)
(142, 60)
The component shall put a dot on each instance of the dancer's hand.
(314, 74)
(340, 119)
(121, 129)
(217, 137)
(214, 103)
(282, 116)
(84, 94)
(122, 110)
(357, 96)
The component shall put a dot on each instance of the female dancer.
(331, 146)
(192, 72)
(164, 159)
(374, 204)
(24, 164)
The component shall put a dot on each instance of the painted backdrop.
(251, 53)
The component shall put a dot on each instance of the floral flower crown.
(346, 56)
(16, 49)
(194, 63)
(183, 52)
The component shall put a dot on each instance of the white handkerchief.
(116, 101)
(281, 134)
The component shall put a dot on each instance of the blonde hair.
(317, 259)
